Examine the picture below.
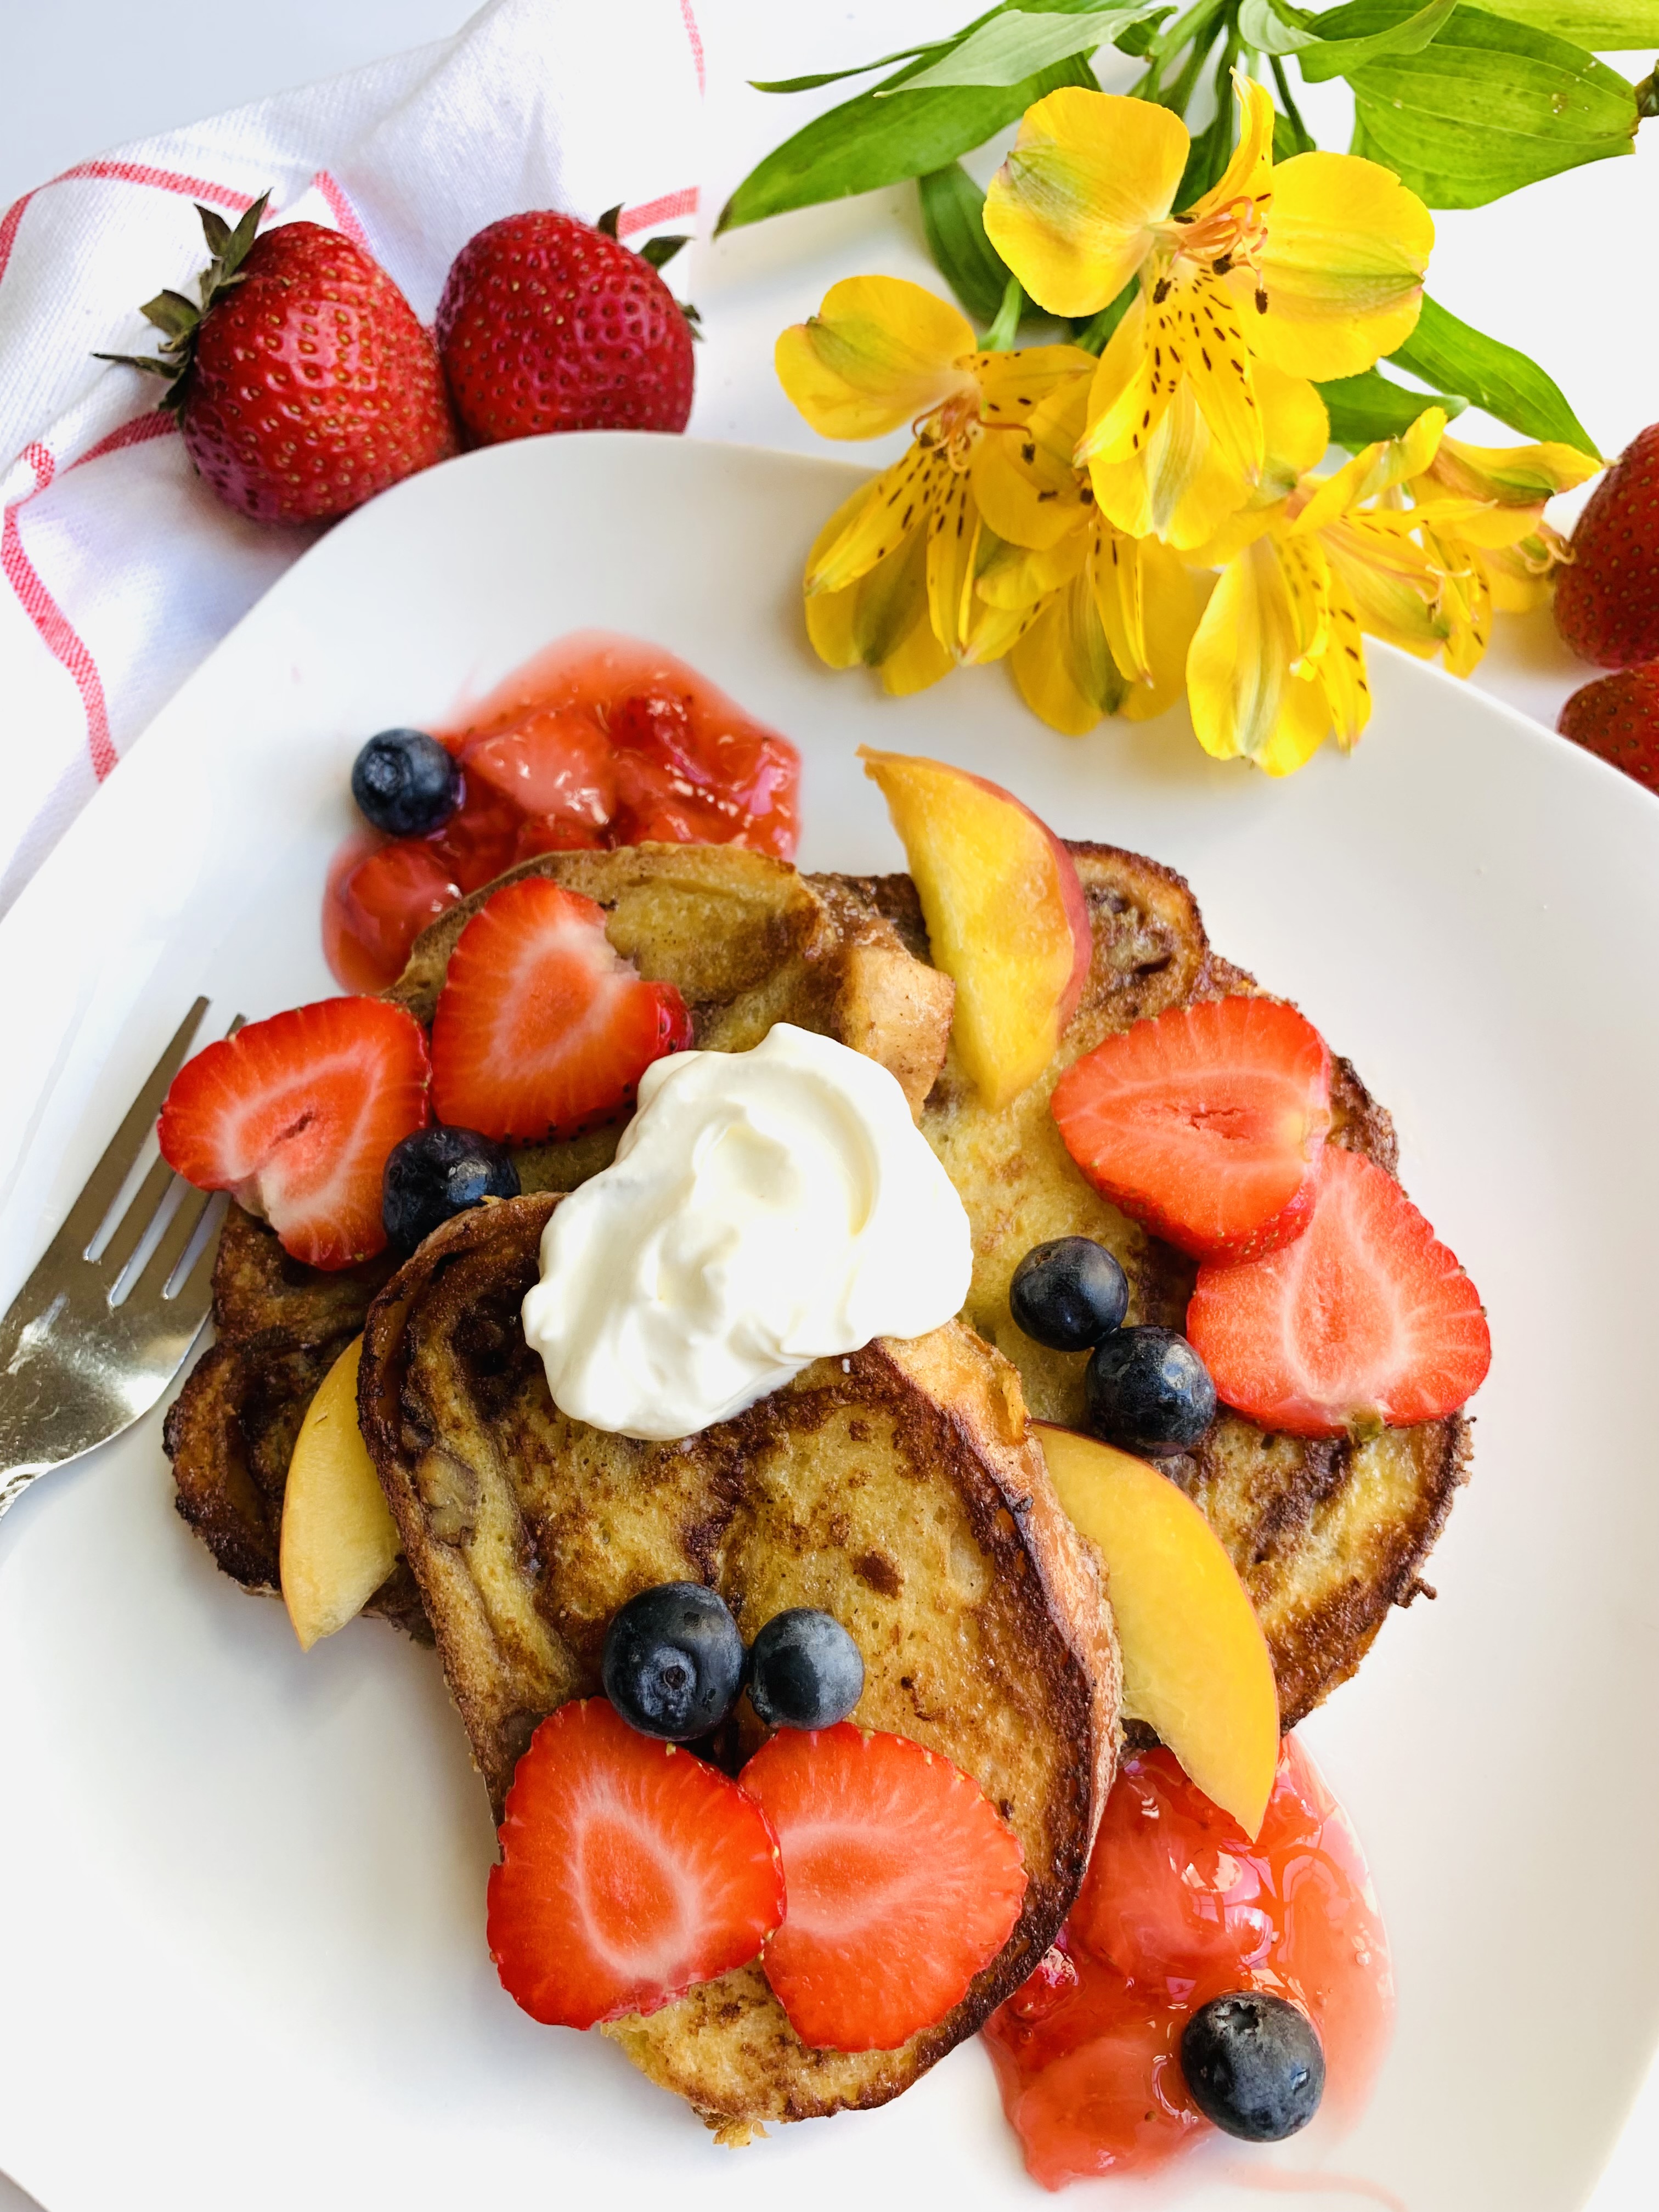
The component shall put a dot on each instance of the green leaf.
(150, 367)
(1014, 45)
(1451, 356)
(1363, 409)
(835, 76)
(867, 143)
(1270, 30)
(171, 312)
(1491, 106)
(952, 215)
(1606, 27)
(1138, 39)
(660, 251)
(1328, 58)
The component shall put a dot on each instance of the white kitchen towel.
(118, 569)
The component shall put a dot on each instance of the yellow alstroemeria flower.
(1110, 618)
(1481, 517)
(1315, 266)
(890, 581)
(1278, 662)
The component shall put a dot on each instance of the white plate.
(241, 1892)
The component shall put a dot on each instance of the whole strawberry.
(303, 382)
(548, 324)
(1617, 717)
(1607, 600)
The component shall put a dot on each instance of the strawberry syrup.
(1180, 1906)
(599, 740)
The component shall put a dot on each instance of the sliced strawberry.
(296, 1116)
(477, 843)
(541, 1025)
(554, 761)
(681, 780)
(1365, 1318)
(1206, 1124)
(630, 1870)
(378, 905)
(903, 1882)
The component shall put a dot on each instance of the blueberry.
(436, 1172)
(1253, 2065)
(805, 1671)
(673, 1662)
(1148, 1390)
(405, 782)
(1068, 1293)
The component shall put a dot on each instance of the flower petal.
(1063, 666)
(1013, 385)
(1024, 478)
(877, 519)
(1147, 602)
(1341, 667)
(953, 547)
(1295, 427)
(1018, 576)
(1374, 469)
(873, 618)
(1303, 724)
(1248, 174)
(832, 615)
(1238, 669)
(1071, 209)
(1133, 385)
(1392, 582)
(1198, 322)
(1510, 476)
(1347, 245)
(880, 352)
(917, 660)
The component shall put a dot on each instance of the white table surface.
(1555, 270)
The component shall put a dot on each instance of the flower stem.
(1292, 114)
(1002, 333)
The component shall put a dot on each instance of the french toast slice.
(1328, 1536)
(897, 1488)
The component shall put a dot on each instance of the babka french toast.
(1327, 1535)
(897, 1488)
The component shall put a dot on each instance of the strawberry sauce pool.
(1179, 1906)
(599, 741)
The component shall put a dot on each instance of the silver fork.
(87, 1345)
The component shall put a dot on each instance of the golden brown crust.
(230, 1432)
(896, 1487)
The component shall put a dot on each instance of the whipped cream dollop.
(765, 1209)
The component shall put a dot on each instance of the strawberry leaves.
(180, 319)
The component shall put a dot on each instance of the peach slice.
(1195, 1662)
(339, 1540)
(1006, 914)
